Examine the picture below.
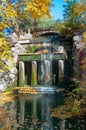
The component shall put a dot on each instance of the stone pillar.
(50, 59)
(61, 69)
(34, 74)
(21, 74)
(47, 72)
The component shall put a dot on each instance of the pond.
(34, 112)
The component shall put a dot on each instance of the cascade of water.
(21, 73)
(61, 69)
(42, 72)
(50, 59)
(42, 69)
(34, 74)
(47, 72)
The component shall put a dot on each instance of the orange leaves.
(3, 25)
(10, 12)
(80, 9)
(47, 2)
(38, 8)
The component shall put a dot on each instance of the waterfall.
(47, 72)
(34, 74)
(61, 69)
(50, 59)
(42, 72)
(43, 57)
(21, 73)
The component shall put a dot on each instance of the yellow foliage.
(3, 25)
(4, 48)
(4, 113)
(84, 36)
(38, 8)
(80, 8)
(4, 51)
(10, 12)
(5, 97)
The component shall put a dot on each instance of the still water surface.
(35, 113)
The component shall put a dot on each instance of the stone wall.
(9, 77)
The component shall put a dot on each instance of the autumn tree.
(74, 15)
(13, 13)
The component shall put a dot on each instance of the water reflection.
(35, 113)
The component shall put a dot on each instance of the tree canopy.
(12, 12)
(74, 16)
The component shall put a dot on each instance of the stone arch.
(44, 33)
(50, 37)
